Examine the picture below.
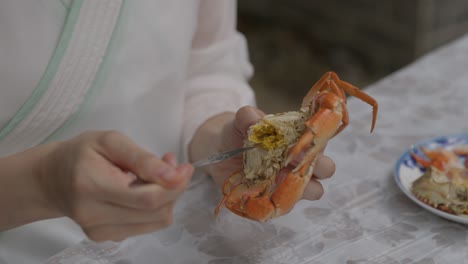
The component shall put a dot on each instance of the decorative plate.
(407, 171)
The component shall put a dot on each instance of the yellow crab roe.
(266, 135)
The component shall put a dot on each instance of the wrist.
(46, 177)
(21, 196)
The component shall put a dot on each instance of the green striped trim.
(49, 73)
(97, 82)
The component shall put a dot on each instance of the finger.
(245, 117)
(324, 168)
(148, 196)
(108, 213)
(112, 214)
(138, 216)
(123, 231)
(167, 175)
(313, 191)
(123, 152)
(170, 158)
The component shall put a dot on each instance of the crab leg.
(282, 195)
(318, 86)
(321, 127)
(345, 118)
(354, 91)
(230, 183)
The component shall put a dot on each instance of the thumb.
(245, 117)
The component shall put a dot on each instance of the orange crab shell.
(263, 196)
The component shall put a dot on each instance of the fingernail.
(166, 173)
(255, 113)
(170, 159)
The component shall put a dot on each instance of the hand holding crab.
(267, 181)
(234, 134)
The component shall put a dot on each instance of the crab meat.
(275, 134)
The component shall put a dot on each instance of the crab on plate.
(444, 184)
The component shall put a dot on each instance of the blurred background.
(292, 43)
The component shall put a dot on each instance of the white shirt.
(171, 65)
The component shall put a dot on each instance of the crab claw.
(252, 201)
(442, 159)
(420, 160)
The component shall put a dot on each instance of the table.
(362, 218)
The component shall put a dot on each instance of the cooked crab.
(444, 184)
(258, 192)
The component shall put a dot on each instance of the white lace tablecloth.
(362, 218)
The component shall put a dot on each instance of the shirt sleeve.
(218, 69)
